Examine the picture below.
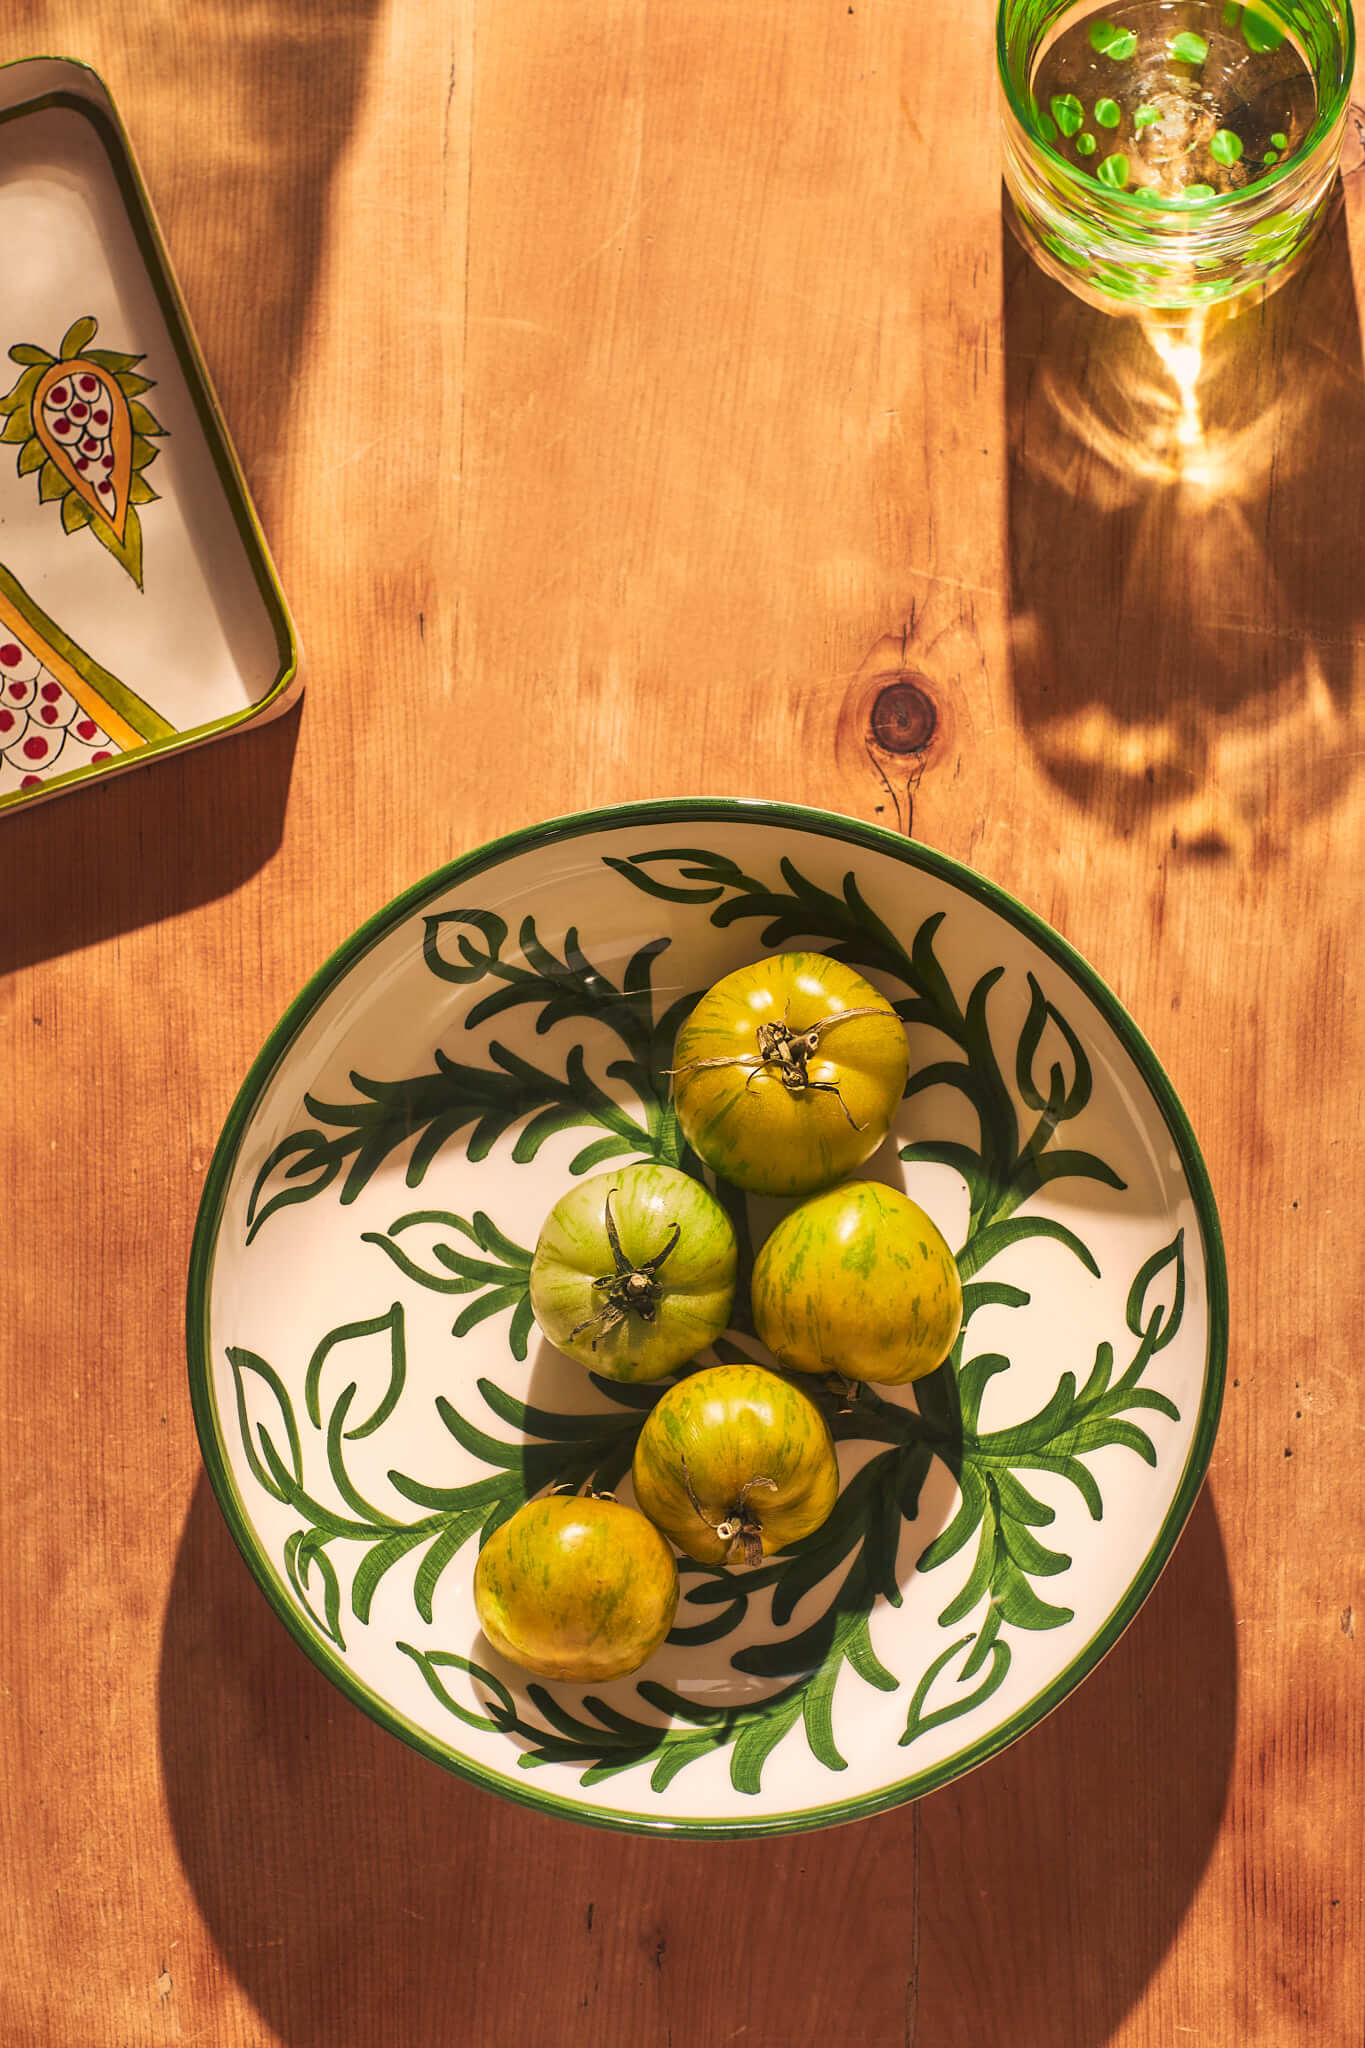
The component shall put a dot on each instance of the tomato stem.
(738, 1530)
(629, 1289)
(788, 1054)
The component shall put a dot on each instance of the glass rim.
(1329, 115)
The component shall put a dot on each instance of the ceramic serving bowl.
(370, 1388)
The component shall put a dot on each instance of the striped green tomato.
(859, 1281)
(574, 1587)
(734, 1463)
(634, 1272)
(787, 1073)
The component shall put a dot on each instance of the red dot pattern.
(44, 730)
(79, 423)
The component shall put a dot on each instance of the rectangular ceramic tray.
(140, 613)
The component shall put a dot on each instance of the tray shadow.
(144, 846)
(1186, 548)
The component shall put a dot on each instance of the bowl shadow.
(363, 1899)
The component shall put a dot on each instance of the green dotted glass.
(1162, 158)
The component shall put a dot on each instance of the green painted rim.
(790, 819)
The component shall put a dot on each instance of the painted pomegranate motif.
(81, 418)
(59, 710)
(83, 428)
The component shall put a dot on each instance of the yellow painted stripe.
(84, 692)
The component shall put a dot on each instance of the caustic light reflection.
(1144, 420)
(1209, 680)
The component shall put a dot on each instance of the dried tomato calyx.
(788, 1054)
(629, 1290)
(738, 1530)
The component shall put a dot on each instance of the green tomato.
(634, 1272)
(576, 1588)
(859, 1281)
(735, 1463)
(787, 1073)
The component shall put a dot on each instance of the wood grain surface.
(630, 389)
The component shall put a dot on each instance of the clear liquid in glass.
(1174, 98)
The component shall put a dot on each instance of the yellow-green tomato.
(859, 1281)
(787, 1073)
(576, 1587)
(634, 1271)
(735, 1463)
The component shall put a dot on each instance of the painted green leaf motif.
(1226, 148)
(1060, 1100)
(919, 1723)
(997, 1237)
(1107, 113)
(554, 1451)
(474, 961)
(1114, 171)
(1067, 112)
(258, 1446)
(1188, 48)
(431, 1663)
(1108, 41)
(996, 1507)
(1086, 145)
(485, 1102)
(1145, 117)
(500, 1281)
(1158, 1327)
(390, 1324)
(303, 1557)
(1198, 192)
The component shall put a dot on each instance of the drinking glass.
(1165, 156)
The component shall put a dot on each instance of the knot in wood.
(904, 716)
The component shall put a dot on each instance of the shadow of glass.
(1080, 1850)
(147, 845)
(1186, 545)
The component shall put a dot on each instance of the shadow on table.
(361, 1897)
(240, 118)
(1187, 554)
(1081, 1849)
(146, 845)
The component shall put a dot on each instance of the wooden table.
(629, 389)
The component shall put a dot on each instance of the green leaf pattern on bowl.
(838, 1576)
